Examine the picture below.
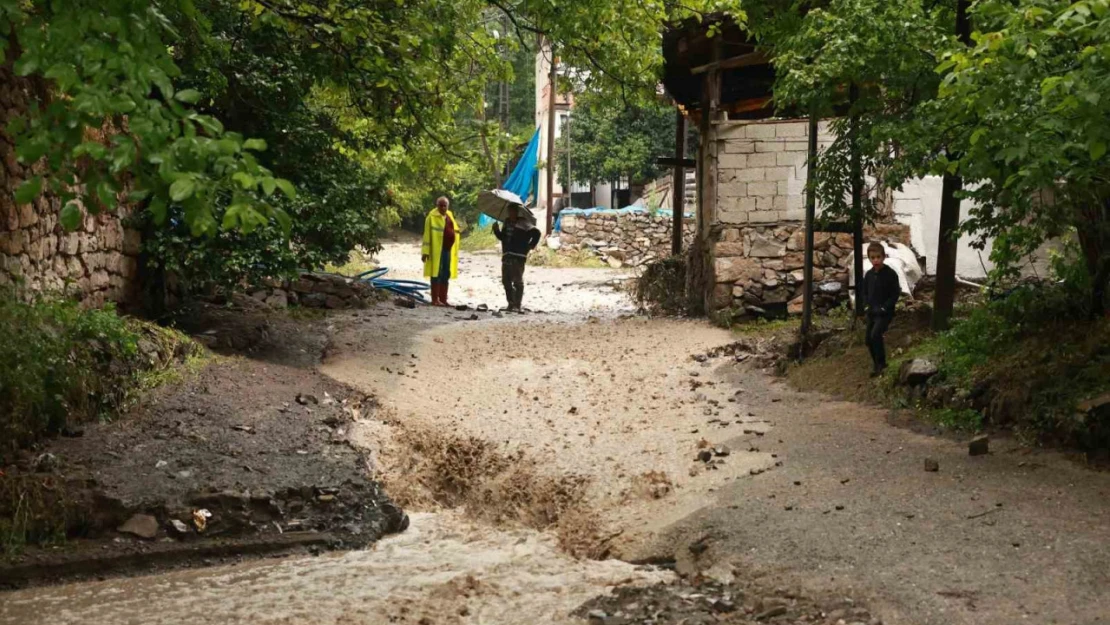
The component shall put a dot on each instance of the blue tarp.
(523, 179)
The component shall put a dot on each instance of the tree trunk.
(1095, 244)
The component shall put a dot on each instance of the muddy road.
(518, 442)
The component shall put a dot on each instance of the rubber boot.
(443, 294)
(435, 294)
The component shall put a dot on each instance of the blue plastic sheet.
(524, 177)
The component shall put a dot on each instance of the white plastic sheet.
(900, 258)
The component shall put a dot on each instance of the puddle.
(443, 570)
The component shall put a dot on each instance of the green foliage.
(611, 141)
(478, 239)
(108, 69)
(58, 370)
(1025, 106)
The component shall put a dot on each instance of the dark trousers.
(444, 267)
(877, 325)
(512, 277)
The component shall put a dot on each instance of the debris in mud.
(462, 307)
(705, 455)
(722, 450)
(404, 302)
(932, 465)
(179, 527)
(979, 446)
(701, 600)
(305, 400)
(141, 525)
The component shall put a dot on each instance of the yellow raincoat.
(433, 243)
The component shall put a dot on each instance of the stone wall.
(97, 263)
(761, 266)
(623, 239)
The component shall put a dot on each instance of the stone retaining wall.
(97, 263)
(761, 266)
(623, 239)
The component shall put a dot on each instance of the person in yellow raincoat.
(440, 251)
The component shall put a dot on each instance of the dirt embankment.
(251, 454)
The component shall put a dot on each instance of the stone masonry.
(758, 254)
(96, 263)
(623, 239)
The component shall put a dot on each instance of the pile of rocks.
(761, 267)
(631, 239)
(315, 290)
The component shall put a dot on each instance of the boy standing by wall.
(880, 292)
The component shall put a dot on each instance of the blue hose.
(411, 289)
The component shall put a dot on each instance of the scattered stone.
(498, 314)
(183, 475)
(46, 463)
(932, 465)
(161, 464)
(482, 308)
(462, 307)
(597, 616)
(305, 400)
(722, 450)
(771, 612)
(831, 288)
(472, 318)
(141, 525)
(916, 372)
(705, 455)
(404, 302)
(979, 446)
(179, 527)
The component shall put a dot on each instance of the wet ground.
(512, 441)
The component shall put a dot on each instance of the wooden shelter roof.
(747, 76)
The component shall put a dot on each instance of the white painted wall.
(918, 206)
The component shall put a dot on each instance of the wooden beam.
(857, 200)
(811, 211)
(667, 161)
(551, 145)
(751, 104)
(678, 194)
(759, 57)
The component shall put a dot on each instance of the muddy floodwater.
(443, 569)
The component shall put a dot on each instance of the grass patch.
(478, 239)
(566, 259)
(1023, 362)
(72, 365)
(357, 263)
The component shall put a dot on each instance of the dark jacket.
(881, 291)
(516, 241)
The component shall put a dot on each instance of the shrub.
(68, 365)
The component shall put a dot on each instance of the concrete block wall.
(762, 170)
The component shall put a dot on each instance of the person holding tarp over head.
(439, 250)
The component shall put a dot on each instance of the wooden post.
(678, 193)
(857, 199)
(945, 297)
(569, 190)
(700, 278)
(811, 212)
(551, 145)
